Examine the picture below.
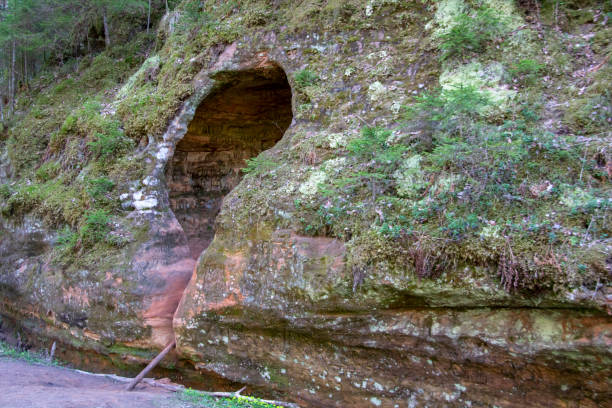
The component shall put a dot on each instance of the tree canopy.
(38, 33)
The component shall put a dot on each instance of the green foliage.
(97, 188)
(5, 191)
(199, 399)
(6, 350)
(375, 144)
(67, 239)
(305, 78)
(382, 158)
(457, 226)
(47, 171)
(590, 114)
(471, 32)
(69, 124)
(109, 145)
(526, 71)
(25, 197)
(259, 165)
(96, 227)
(367, 176)
(72, 113)
(193, 14)
(449, 111)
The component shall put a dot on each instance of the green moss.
(591, 112)
(131, 351)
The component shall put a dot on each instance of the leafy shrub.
(471, 32)
(305, 78)
(365, 176)
(451, 111)
(382, 159)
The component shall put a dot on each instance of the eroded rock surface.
(245, 115)
(315, 319)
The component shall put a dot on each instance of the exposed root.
(509, 269)
(426, 264)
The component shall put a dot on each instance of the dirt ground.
(28, 385)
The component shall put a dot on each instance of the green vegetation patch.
(199, 399)
(6, 350)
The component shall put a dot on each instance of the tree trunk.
(25, 69)
(149, 17)
(106, 31)
(13, 91)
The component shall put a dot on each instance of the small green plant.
(47, 171)
(5, 191)
(259, 165)
(6, 350)
(450, 110)
(526, 71)
(69, 124)
(107, 145)
(471, 32)
(97, 188)
(96, 227)
(383, 157)
(67, 239)
(305, 78)
(457, 226)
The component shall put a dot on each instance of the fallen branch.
(151, 365)
(149, 381)
(180, 388)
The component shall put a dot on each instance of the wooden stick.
(52, 353)
(180, 388)
(151, 365)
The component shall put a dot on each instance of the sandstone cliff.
(423, 219)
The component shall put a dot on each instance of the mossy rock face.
(290, 297)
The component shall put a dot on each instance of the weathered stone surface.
(130, 299)
(285, 313)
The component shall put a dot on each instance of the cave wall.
(245, 115)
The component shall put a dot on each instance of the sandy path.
(26, 385)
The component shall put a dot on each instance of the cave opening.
(246, 113)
